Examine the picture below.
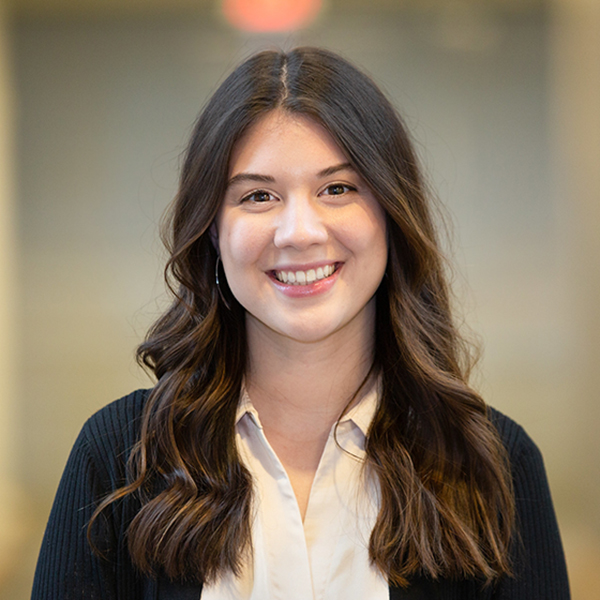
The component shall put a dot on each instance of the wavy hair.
(446, 502)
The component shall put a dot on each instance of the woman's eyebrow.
(268, 179)
(334, 169)
(250, 177)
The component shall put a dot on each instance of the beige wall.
(13, 518)
(575, 86)
(506, 125)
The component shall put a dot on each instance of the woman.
(312, 433)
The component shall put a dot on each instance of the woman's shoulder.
(114, 429)
(515, 439)
(127, 408)
(538, 560)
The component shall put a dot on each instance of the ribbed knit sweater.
(68, 569)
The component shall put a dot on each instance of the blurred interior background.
(97, 98)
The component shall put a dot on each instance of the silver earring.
(217, 282)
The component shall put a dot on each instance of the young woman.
(311, 433)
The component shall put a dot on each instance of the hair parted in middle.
(446, 505)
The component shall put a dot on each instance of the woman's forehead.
(282, 137)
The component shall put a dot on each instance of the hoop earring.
(218, 285)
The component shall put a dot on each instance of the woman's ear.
(214, 237)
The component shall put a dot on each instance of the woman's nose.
(300, 225)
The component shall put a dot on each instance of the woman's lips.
(299, 283)
(305, 277)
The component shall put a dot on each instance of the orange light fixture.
(263, 16)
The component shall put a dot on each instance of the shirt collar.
(361, 414)
(246, 407)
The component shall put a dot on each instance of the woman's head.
(320, 86)
(445, 497)
(300, 235)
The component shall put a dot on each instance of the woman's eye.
(337, 189)
(258, 197)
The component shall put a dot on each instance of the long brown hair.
(445, 489)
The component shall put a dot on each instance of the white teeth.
(305, 277)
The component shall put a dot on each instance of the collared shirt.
(326, 556)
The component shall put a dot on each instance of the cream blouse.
(326, 556)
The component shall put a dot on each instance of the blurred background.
(97, 99)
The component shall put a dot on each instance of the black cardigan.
(68, 570)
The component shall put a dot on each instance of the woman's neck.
(300, 388)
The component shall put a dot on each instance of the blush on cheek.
(243, 243)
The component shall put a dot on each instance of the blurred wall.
(104, 109)
(575, 125)
(11, 518)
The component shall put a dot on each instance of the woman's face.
(301, 237)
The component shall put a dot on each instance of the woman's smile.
(301, 237)
(304, 277)
(302, 283)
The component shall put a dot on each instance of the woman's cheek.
(245, 241)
